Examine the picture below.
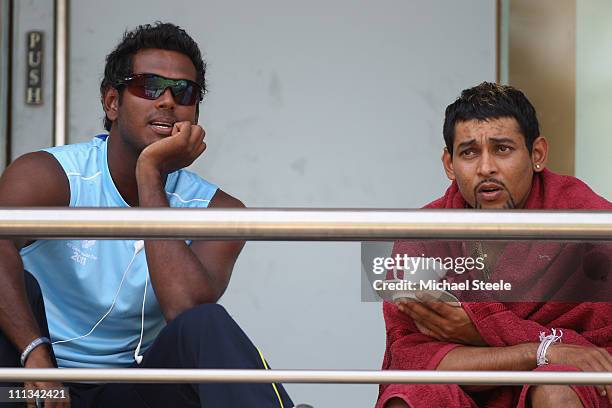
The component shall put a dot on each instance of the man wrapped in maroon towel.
(496, 158)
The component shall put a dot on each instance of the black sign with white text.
(34, 67)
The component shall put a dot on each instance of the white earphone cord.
(138, 246)
(137, 355)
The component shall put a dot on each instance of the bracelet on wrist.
(30, 347)
(545, 343)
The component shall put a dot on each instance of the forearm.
(16, 319)
(492, 320)
(179, 278)
(521, 357)
(512, 358)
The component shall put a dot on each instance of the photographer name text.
(433, 284)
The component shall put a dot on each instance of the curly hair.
(491, 101)
(165, 36)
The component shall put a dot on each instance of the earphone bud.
(137, 355)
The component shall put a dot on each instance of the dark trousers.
(203, 337)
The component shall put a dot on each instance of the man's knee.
(553, 396)
(204, 311)
(210, 327)
(202, 316)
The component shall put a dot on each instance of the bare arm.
(35, 179)
(183, 276)
(452, 324)
(513, 358)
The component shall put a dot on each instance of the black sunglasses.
(152, 86)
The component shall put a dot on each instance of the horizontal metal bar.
(300, 224)
(150, 375)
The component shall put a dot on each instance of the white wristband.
(30, 347)
(545, 343)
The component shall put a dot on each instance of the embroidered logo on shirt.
(82, 255)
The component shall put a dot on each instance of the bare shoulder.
(34, 179)
(223, 200)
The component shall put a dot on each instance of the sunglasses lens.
(149, 86)
(185, 93)
(145, 87)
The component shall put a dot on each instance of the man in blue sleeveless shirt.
(125, 303)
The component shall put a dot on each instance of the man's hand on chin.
(442, 321)
(177, 151)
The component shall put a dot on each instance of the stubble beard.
(508, 205)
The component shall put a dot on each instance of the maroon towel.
(502, 324)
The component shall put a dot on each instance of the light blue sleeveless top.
(80, 278)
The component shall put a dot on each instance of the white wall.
(311, 104)
(4, 83)
(594, 94)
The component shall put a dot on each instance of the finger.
(420, 314)
(427, 314)
(195, 137)
(606, 359)
(594, 365)
(52, 404)
(606, 365)
(402, 307)
(441, 308)
(182, 128)
(197, 133)
(420, 322)
(29, 403)
(406, 310)
(196, 140)
(176, 128)
(427, 332)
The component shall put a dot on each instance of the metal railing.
(60, 90)
(311, 225)
(299, 224)
(154, 375)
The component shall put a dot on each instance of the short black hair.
(491, 101)
(165, 36)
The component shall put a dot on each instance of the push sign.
(34, 67)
